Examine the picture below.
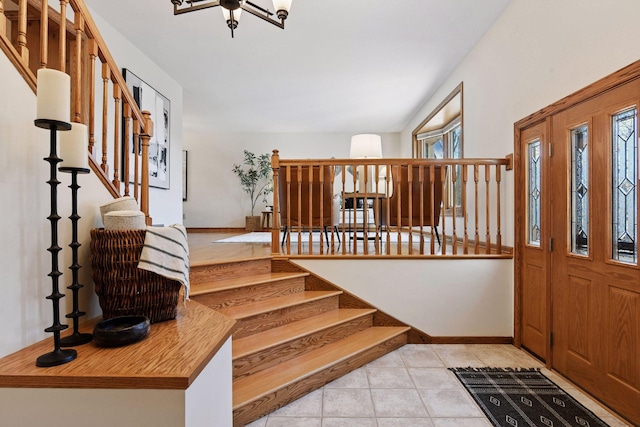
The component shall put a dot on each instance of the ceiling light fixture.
(231, 10)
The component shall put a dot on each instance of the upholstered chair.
(306, 206)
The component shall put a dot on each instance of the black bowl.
(121, 330)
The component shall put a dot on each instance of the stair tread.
(291, 331)
(252, 387)
(235, 283)
(264, 306)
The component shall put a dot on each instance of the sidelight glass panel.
(534, 172)
(580, 190)
(625, 177)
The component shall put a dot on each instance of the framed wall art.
(159, 106)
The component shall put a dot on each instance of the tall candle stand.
(76, 338)
(57, 356)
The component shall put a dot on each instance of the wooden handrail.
(78, 44)
(409, 207)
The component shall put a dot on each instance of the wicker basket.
(122, 288)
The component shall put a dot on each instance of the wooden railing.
(34, 34)
(389, 207)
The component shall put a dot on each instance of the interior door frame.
(618, 78)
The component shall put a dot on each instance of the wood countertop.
(170, 357)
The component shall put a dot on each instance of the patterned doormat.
(523, 397)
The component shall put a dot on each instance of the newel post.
(275, 230)
(144, 179)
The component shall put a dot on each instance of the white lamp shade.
(74, 147)
(227, 14)
(282, 5)
(366, 145)
(54, 95)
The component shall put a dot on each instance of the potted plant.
(255, 177)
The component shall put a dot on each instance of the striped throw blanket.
(166, 252)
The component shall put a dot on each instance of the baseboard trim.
(216, 230)
(471, 340)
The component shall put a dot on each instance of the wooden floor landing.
(202, 248)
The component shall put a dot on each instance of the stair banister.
(469, 217)
(140, 121)
(78, 45)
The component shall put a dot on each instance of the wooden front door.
(534, 299)
(595, 278)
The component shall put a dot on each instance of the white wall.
(536, 53)
(25, 231)
(215, 198)
(440, 297)
(209, 399)
(165, 206)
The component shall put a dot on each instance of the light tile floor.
(412, 387)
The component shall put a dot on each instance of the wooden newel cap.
(148, 123)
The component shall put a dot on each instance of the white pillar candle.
(54, 95)
(74, 147)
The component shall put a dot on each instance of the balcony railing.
(389, 207)
(35, 34)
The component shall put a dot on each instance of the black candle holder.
(57, 356)
(76, 338)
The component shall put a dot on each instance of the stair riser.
(247, 294)
(228, 270)
(270, 357)
(267, 404)
(264, 321)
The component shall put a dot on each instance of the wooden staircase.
(295, 333)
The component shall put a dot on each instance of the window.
(440, 136)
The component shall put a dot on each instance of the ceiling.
(338, 66)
